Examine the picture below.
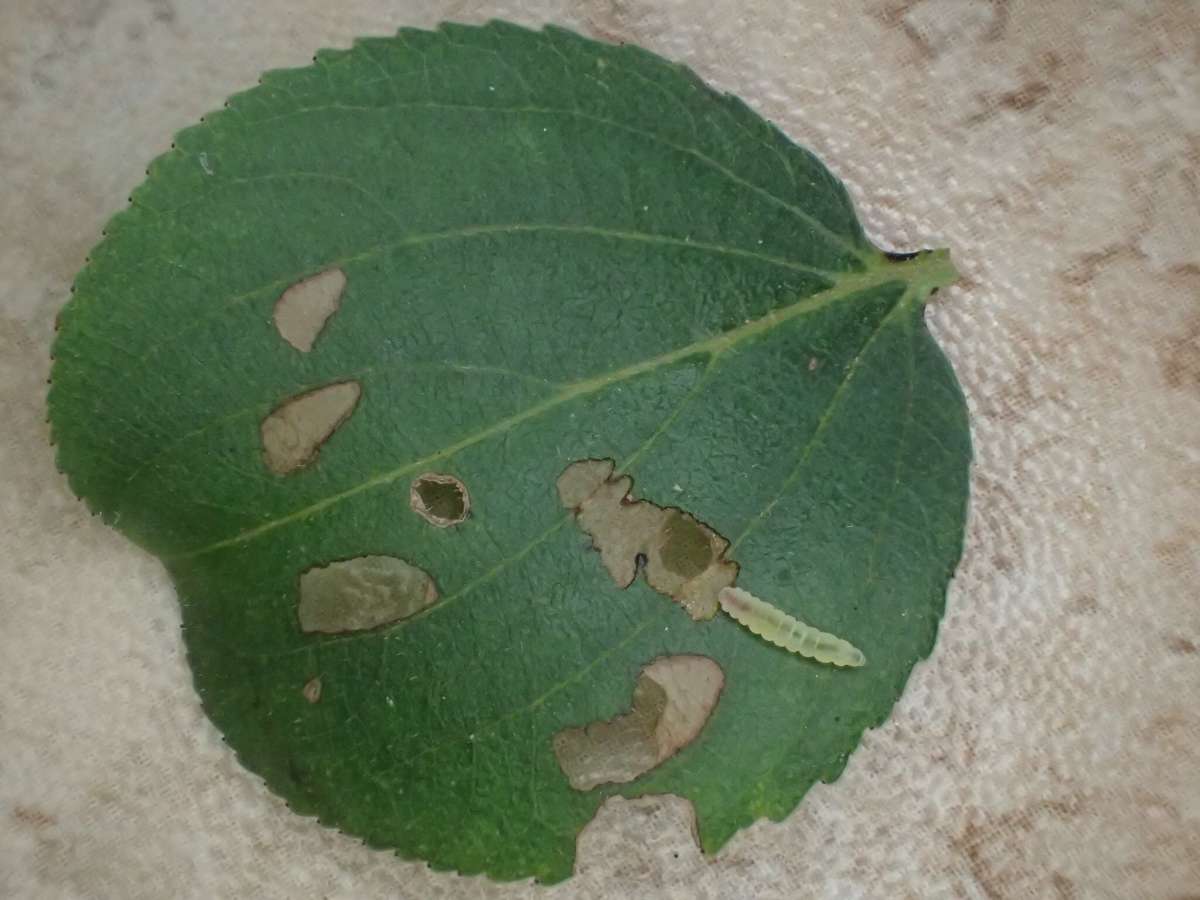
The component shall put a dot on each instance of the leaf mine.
(672, 701)
(684, 558)
(302, 310)
(362, 593)
(441, 500)
(292, 435)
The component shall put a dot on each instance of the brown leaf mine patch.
(439, 499)
(672, 701)
(684, 558)
(303, 309)
(293, 434)
(361, 593)
(312, 689)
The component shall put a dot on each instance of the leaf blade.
(737, 323)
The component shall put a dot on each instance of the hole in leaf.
(362, 593)
(293, 434)
(303, 309)
(672, 701)
(680, 556)
(439, 499)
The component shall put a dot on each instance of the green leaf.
(550, 250)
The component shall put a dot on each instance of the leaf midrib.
(925, 272)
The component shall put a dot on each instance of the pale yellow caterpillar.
(786, 631)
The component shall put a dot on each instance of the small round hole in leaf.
(441, 500)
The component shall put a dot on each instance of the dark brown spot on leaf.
(292, 435)
(672, 701)
(361, 593)
(439, 499)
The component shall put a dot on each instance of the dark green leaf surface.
(554, 249)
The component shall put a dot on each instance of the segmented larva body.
(787, 631)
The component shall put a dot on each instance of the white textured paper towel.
(1050, 748)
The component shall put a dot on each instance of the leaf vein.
(472, 231)
(716, 344)
(828, 235)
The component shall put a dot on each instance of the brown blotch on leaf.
(293, 433)
(362, 593)
(684, 558)
(312, 689)
(672, 701)
(439, 499)
(303, 309)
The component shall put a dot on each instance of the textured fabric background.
(1051, 746)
